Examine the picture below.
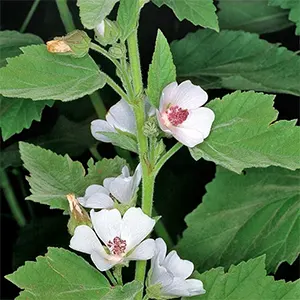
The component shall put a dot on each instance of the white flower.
(121, 188)
(120, 116)
(122, 237)
(100, 29)
(171, 272)
(180, 113)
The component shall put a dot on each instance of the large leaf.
(198, 12)
(54, 176)
(40, 75)
(247, 281)
(17, 114)
(127, 292)
(252, 16)
(162, 70)
(61, 275)
(226, 60)
(244, 216)
(294, 6)
(93, 12)
(11, 41)
(245, 134)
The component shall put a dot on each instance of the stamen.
(176, 115)
(117, 246)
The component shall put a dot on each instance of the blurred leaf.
(201, 13)
(162, 70)
(228, 57)
(244, 216)
(39, 75)
(247, 281)
(252, 16)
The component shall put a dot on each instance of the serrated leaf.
(126, 292)
(122, 140)
(39, 75)
(198, 12)
(252, 16)
(245, 134)
(54, 176)
(11, 41)
(226, 60)
(244, 216)
(293, 6)
(128, 15)
(17, 114)
(61, 275)
(247, 281)
(93, 13)
(161, 71)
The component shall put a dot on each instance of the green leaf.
(244, 216)
(11, 41)
(198, 12)
(245, 134)
(128, 15)
(40, 75)
(247, 281)
(252, 16)
(162, 70)
(293, 6)
(17, 114)
(226, 60)
(126, 292)
(93, 13)
(61, 275)
(122, 140)
(54, 176)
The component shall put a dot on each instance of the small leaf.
(61, 275)
(40, 75)
(128, 15)
(17, 114)
(244, 216)
(252, 16)
(247, 281)
(162, 70)
(126, 292)
(122, 140)
(226, 60)
(198, 12)
(93, 13)
(245, 134)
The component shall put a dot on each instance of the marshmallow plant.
(117, 240)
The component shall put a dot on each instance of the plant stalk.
(29, 15)
(65, 15)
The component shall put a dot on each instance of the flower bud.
(75, 43)
(107, 32)
(117, 51)
(78, 216)
(150, 128)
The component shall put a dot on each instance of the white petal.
(121, 116)
(187, 136)
(200, 119)
(195, 287)
(125, 172)
(189, 96)
(160, 275)
(137, 176)
(178, 288)
(167, 96)
(161, 123)
(145, 250)
(100, 29)
(107, 224)
(95, 188)
(178, 267)
(99, 201)
(107, 181)
(101, 262)
(85, 240)
(161, 250)
(122, 189)
(98, 126)
(135, 227)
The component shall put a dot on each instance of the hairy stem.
(65, 15)
(98, 104)
(111, 277)
(29, 15)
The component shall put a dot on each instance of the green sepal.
(111, 33)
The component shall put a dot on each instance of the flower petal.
(125, 172)
(161, 250)
(178, 267)
(200, 119)
(137, 176)
(195, 287)
(167, 96)
(189, 96)
(145, 250)
(107, 181)
(187, 136)
(135, 227)
(159, 274)
(85, 240)
(161, 123)
(182, 288)
(122, 189)
(99, 201)
(102, 263)
(98, 126)
(121, 116)
(107, 224)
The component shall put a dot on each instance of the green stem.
(165, 157)
(29, 15)
(65, 15)
(146, 297)
(111, 277)
(94, 152)
(98, 104)
(11, 199)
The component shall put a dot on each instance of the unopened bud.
(107, 32)
(117, 51)
(150, 128)
(75, 43)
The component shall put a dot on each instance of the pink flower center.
(176, 115)
(117, 246)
